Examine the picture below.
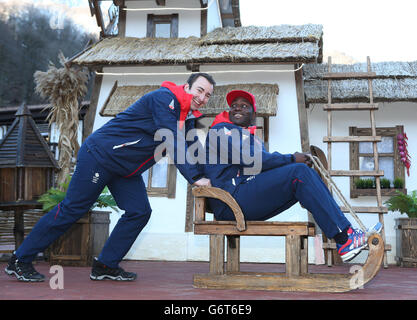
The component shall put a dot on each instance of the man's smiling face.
(201, 90)
(241, 112)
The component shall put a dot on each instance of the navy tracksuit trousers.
(273, 191)
(87, 183)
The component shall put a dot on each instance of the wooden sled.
(296, 277)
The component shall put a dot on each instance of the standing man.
(115, 156)
(282, 181)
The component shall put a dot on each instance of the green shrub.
(405, 203)
(53, 196)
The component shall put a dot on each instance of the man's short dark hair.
(193, 77)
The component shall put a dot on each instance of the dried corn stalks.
(63, 87)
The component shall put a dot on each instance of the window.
(162, 26)
(362, 158)
(160, 180)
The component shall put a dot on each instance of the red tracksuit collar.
(183, 98)
(224, 117)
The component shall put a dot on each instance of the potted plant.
(406, 227)
(385, 183)
(398, 183)
(85, 239)
(365, 183)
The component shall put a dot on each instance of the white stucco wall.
(164, 237)
(188, 21)
(388, 115)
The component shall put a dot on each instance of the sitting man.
(282, 181)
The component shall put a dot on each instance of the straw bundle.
(63, 87)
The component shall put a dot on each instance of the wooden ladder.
(329, 139)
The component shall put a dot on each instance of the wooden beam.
(99, 16)
(350, 107)
(189, 210)
(255, 228)
(160, 2)
(91, 113)
(353, 139)
(355, 173)
(292, 255)
(233, 254)
(366, 209)
(122, 19)
(203, 19)
(228, 16)
(302, 111)
(348, 75)
(217, 254)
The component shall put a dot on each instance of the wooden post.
(233, 254)
(91, 112)
(217, 254)
(302, 111)
(189, 209)
(292, 254)
(122, 19)
(200, 209)
(304, 255)
(19, 227)
(376, 159)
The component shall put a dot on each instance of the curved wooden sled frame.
(306, 282)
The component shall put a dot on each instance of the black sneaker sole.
(108, 277)
(21, 278)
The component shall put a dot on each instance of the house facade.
(149, 46)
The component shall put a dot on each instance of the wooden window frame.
(169, 190)
(399, 171)
(154, 19)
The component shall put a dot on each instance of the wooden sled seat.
(296, 276)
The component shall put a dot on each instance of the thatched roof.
(395, 81)
(256, 34)
(122, 97)
(291, 44)
(265, 95)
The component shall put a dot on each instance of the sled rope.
(325, 174)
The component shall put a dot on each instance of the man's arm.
(166, 118)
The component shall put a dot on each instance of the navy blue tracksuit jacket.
(115, 156)
(279, 184)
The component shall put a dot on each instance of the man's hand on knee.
(303, 158)
(203, 182)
